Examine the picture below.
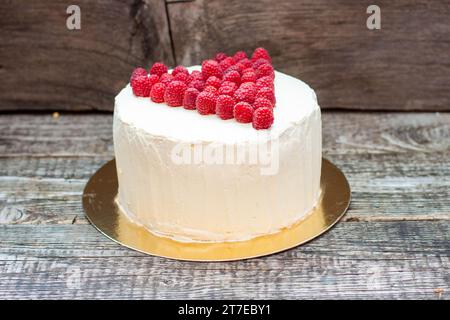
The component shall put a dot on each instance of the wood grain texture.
(403, 66)
(44, 65)
(393, 242)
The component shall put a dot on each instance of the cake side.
(217, 201)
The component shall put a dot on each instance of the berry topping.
(166, 78)
(226, 63)
(213, 81)
(211, 68)
(196, 75)
(262, 103)
(180, 69)
(138, 72)
(158, 68)
(264, 82)
(259, 62)
(220, 56)
(243, 112)
(157, 92)
(206, 102)
(261, 53)
(228, 88)
(232, 76)
(265, 70)
(210, 89)
(262, 118)
(224, 106)
(238, 56)
(183, 77)
(246, 92)
(266, 93)
(246, 63)
(174, 93)
(141, 86)
(249, 76)
(190, 95)
(197, 84)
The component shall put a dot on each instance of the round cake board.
(100, 207)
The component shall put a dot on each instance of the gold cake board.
(102, 211)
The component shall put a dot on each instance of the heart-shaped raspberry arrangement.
(228, 86)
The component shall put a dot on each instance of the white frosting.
(217, 202)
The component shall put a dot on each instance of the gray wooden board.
(393, 242)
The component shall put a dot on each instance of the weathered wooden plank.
(46, 66)
(405, 65)
(406, 260)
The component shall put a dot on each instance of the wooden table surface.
(394, 241)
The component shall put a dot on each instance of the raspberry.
(180, 69)
(158, 68)
(232, 76)
(262, 118)
(264, 82)
(211, 89)
(246, 92)
(261, 53)
(248, 70)
(190, 95)
(157, 92)
(266, 93)
(238, 56)
(265, 70)
(196, 75)
(243, 112)
(259, 62)
(246, 63)
(141, 86)
(226, 63)
(213, 81)
(220, 56)
(228, 88)
(138, 72)
(211, 68)
(224, 107)
(197, 84)
(262, 103)
(248, 76)
(180, 76)
(174, 93)
(166, 78)
(206, 103)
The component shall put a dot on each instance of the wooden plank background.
(403, 66)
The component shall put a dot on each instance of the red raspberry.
(197, 84)
(228, 88)
(158, 68)
(157, 92)
(238, 56)
(206, 102)
(246, 92)
(248, 70)
(196, 75)
(224, 106)
(246, 63)
(261, 53)
(266, 93)
(174, 93)
(262, 103)
(265, 70)
(166, 78)
(213, 81)
(264, 82)
(232, 76)
(226, 63)
(249, 76)
(211, 89)
(183, 77)
(243, 112)
(180, 69)
(220, 56)
(141, 86)
(190, 95)
(262, 118)
(211, 68)
(138, 72)
(259, 62)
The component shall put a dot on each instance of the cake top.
(295, 101)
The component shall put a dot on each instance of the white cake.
(197, 197)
